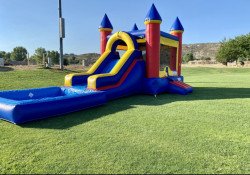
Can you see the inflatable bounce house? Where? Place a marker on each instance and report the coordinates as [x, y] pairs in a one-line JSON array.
[[111, 77]]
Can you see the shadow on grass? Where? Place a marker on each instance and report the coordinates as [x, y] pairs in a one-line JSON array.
[[6, 69], [77, 118], [59, 70], [74, 71]]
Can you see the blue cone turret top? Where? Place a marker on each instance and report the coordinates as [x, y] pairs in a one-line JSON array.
[[153, 16], [105, 24], [177, 26], [134, 27]]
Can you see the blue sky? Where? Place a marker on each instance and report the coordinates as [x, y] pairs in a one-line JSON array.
[[34, 23]]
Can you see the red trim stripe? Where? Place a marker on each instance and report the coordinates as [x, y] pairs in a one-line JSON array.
[[180, 84], [183, 84], [125, 75], [176, 84]]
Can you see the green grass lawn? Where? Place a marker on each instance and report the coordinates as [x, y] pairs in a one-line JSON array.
[[205, 132]]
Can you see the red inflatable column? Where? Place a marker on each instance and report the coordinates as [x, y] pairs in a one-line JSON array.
[[179, 35], [103, 40], [152, 21], [177, 30], [105, 29], [152, 50]]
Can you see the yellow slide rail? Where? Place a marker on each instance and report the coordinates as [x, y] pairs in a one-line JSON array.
[[130, 49], [69, 77]]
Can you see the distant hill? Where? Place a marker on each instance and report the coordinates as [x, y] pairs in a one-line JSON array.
[[199, 50], [202, 49], [89, 58]]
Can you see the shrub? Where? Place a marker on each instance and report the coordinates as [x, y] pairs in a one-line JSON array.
[[188, 57]]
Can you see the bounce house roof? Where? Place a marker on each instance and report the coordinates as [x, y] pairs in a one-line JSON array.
[[153, 14], [177, 25], [106, 23], [134, 28], [141, 34]]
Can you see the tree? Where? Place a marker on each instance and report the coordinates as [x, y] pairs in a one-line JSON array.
[[234, 49], [65, 62], [73, 60], [18, 54], [5, 56], [39, 54], [228, 52], [2, 54], [188, 57], [54, 55]]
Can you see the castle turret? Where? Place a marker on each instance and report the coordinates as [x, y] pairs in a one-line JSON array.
[[152, 22], [105, 29], [134, 28], [177, 30]]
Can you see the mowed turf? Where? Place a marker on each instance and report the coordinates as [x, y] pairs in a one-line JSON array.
[[205, 132]]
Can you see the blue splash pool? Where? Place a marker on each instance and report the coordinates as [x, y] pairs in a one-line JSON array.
[[19, 106]]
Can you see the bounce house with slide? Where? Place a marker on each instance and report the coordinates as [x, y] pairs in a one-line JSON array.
[[111, 77]]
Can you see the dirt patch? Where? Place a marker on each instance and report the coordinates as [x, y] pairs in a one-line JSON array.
[[216, 65], [33, 67]]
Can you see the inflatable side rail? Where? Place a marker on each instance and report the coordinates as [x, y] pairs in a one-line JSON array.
[[96, 82], [80, 78], [100, 80]]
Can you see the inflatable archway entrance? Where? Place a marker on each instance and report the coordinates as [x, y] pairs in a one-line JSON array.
[[121, 36]]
